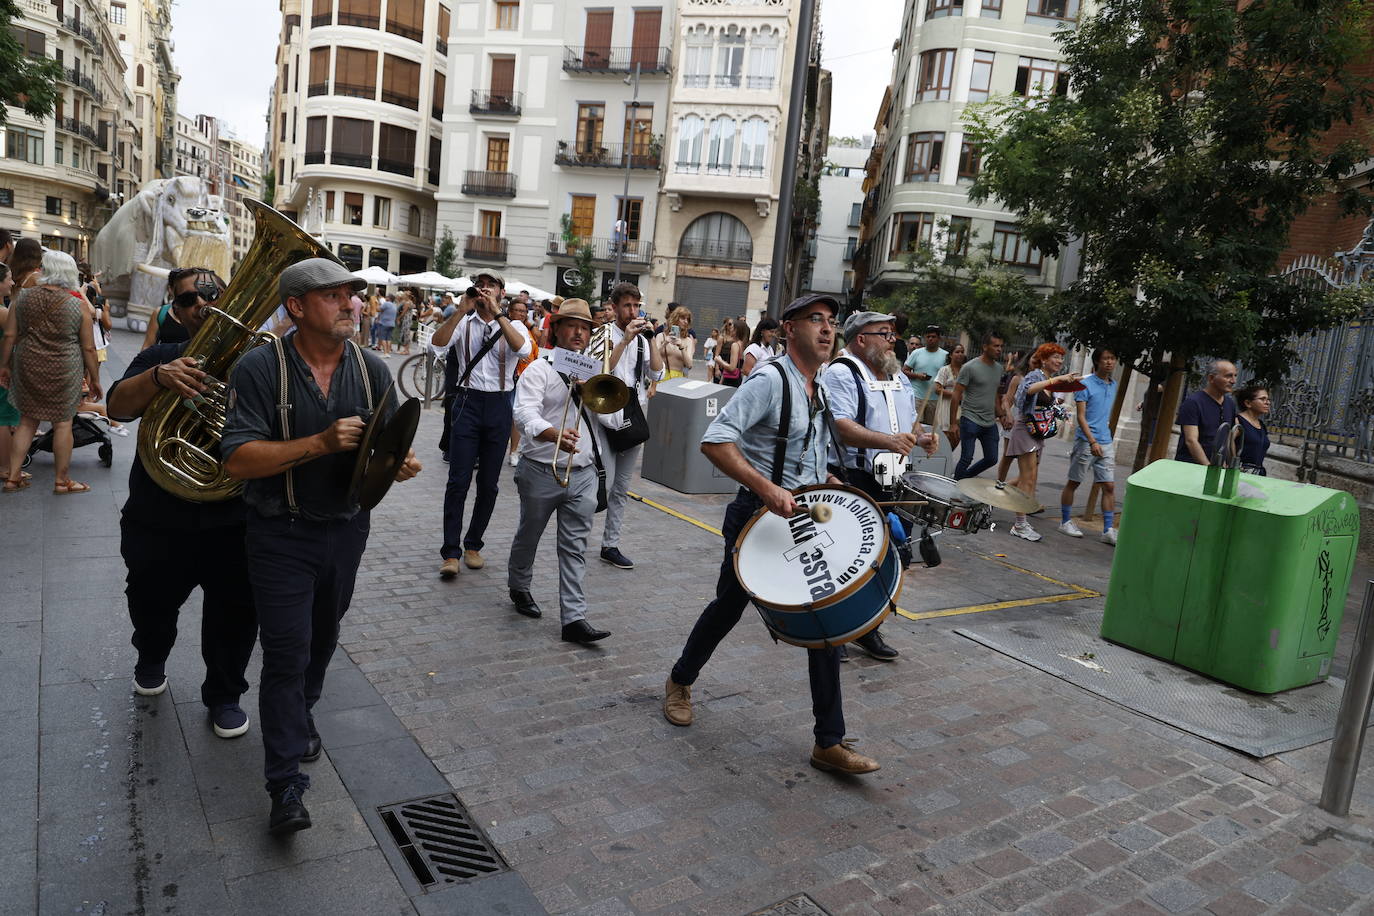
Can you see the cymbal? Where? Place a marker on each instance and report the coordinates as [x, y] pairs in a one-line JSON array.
[[1008, 497], [382, 450]]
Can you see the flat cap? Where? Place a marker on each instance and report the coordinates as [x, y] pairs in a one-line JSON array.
[[805, 302], [483, 272], [315, 273], [859, 320]]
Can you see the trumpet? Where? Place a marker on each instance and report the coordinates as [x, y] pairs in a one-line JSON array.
[[601, 394]]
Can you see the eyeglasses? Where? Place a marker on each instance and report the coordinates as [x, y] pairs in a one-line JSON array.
[[885, 335], [821, 319]]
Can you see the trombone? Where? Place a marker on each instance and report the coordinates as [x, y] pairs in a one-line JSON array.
[[601, 394]]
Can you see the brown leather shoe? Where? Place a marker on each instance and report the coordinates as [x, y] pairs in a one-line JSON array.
[[677, 702], [449, 569], [473, 559], [842, 758]]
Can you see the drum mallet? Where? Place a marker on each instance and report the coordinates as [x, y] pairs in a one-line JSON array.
[[820, 513]]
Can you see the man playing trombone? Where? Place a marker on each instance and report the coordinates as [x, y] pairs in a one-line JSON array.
[[558, 472]]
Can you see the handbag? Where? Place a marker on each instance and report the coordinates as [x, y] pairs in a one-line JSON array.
[[601, 500], [635, 428], [1042, 421]]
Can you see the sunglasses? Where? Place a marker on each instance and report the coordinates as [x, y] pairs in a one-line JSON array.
[[205, 289]]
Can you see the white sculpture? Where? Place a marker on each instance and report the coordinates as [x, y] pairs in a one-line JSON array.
[[171, 222]]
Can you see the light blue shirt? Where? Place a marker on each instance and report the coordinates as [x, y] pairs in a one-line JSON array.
[[1100, 396], [922, 360], [750, 420], [844, 402]]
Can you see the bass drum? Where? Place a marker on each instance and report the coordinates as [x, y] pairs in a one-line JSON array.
[[815, 583]]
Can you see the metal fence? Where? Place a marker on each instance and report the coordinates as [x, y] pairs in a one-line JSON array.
[[1326, 404]]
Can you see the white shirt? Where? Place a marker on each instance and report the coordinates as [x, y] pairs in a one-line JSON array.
[[540, 398], [496, 371], [761, 353], [625, 371]]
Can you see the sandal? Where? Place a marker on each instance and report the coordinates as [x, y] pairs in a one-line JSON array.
[[14, 486], [67, 487]]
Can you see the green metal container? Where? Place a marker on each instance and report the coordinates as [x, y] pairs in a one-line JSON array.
[[1239, 577]]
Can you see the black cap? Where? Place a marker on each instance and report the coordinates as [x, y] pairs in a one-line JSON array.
[[805, 302]]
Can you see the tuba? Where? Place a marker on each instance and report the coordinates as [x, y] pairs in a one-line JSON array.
[[178, 440]]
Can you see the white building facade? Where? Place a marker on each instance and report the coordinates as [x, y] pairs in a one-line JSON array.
[[837, 236], [544, 126], [951, 54]]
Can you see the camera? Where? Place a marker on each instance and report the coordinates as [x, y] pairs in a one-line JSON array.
[[472, 292]]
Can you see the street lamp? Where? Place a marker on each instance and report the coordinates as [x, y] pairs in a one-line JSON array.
[[619, 237]]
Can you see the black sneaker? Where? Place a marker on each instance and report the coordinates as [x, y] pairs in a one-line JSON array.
[[149, 684], [613, 556], [288, 811], [229, 720]]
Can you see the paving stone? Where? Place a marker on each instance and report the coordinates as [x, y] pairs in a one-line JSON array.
[[1045, 846], [1135, 837], [1006, 756], [1236, 903], [1222, 830], [1177, 895], [1358, 877], [1271, 886]]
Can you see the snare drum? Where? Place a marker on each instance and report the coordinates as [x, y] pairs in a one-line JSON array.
[[946, 505], [820, 584]]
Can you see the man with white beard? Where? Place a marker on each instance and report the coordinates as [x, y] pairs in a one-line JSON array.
[[875, 411]]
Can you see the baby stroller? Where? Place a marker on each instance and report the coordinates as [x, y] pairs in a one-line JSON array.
[[87, 429]]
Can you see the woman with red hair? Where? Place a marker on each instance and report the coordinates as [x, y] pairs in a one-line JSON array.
[[1025, 446]]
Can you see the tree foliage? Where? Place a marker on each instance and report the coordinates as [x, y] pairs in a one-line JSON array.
[[446, 254], [1195, 133], [585, 288], [26, 82]]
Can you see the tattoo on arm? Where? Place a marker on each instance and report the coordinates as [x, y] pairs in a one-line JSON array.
[[293, 462]]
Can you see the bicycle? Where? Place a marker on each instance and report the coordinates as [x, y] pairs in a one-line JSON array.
[[422, 376]]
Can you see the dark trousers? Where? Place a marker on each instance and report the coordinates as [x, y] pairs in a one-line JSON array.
[[302, 574], [721, 615], [160, 579], [970, 434], [481, 433]]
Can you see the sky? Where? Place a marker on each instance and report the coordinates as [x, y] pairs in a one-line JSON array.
[[227, 60]]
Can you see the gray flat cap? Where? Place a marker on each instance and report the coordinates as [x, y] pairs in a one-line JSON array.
[[805, 302], [483, 272], [859, 320], [315, 273]]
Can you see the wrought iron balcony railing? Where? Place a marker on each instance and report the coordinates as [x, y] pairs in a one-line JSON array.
[[713, 250], [485, 248], [502, 103], [489, 184], [595, 155], [632, 250], [587, 59]]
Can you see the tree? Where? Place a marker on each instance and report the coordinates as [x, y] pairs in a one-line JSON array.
[[585, 287], [1196, 131], [269, 187], [26, 82], [446, 254]]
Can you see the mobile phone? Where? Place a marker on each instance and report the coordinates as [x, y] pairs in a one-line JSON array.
[[675, 331]]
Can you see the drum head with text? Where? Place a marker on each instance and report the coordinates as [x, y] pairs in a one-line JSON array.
[[797, 561]]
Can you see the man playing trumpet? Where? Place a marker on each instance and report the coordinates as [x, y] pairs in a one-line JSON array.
[[558, 472]]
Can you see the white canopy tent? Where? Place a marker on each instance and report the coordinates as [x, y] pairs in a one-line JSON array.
[[375, 275], [430, 279], [513, 287]]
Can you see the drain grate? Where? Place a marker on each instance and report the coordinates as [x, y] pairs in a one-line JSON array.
[[440, 841], [800, 905]]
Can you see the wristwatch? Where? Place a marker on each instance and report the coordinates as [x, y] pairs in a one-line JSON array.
[[504, 313]]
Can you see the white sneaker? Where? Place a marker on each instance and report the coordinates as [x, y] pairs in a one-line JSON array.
[[1109, 536], [514, 459], [1025, 531], [1070, 529]]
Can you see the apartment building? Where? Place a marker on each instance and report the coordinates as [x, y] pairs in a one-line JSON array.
[[193, 150], [355, 125], [952, 54], [724, 146], [231, 168], [143, 29], [837, 236], [57, 173], [553, 137]]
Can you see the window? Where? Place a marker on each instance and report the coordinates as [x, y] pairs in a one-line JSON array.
[[730, 60], [498, 154], [970, 160], [648, 24], [445, 20], [631, 210], [352, 256], [32, 41], [923, 154], [980, 80], [283, 127], [959, 238], [24, 145], [353, 209], [596, 50], [639, 129], [717, 236], [689, 133], [763, 59], [1009, 247], [507, 14], [140, 74], [355, 72], [1040, 77], [71, 209], [406, 18], [590, 120], [721, 149], [696, 64], [436, 102], [938, 8], [119, 14], [583, 215], [363, 14], [849, 247], [502, 81], [381, 213], [396, 150], [319, 72], [937, 75], [855, 214], [314, 140], [910, 230], [753, 148], [488, 222], [322, 13], [992, 9], [54, 206], [352, 142], [379, 257], [401, 82], [1054, 9], [436, 146]]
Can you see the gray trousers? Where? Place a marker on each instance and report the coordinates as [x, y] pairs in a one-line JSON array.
[[540, 497], [617, 490]]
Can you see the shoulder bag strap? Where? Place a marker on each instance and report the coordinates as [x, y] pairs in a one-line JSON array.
[[784, 425]]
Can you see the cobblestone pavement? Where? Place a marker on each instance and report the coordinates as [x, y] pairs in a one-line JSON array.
[[1003, 789]]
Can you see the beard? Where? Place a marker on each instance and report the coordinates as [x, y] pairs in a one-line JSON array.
[[890, 365]]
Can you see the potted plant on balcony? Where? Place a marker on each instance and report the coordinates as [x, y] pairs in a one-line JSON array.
[[569, 236]]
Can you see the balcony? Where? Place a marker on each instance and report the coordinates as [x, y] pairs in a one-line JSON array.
[[485, 248], [432, 176], [717, 251], [73, 25], [582, 59], [405, 31], [500, 104], [356, 160], [397, 166], [441, 46], [402, 99], [317, 89], [605, 155], [636, 251], [489, 184], [321, 20]]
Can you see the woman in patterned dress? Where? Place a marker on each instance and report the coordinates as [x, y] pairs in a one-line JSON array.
[[9, 417], [48, 349]]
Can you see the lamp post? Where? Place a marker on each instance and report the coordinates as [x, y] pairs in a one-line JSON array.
[[633, 80], [782, 236]]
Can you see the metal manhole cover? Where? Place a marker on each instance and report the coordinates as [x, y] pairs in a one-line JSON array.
[[800, 905], [440, 841]]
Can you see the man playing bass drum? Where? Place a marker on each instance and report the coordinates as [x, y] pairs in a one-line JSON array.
[[292, 432], [742, 442]]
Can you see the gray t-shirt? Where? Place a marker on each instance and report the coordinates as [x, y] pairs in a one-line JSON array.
[[980, 380]]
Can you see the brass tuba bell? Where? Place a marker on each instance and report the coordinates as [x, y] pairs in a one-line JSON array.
[[178, 440]]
